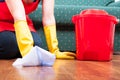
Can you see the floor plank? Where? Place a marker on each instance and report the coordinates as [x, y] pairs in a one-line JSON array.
[[63, 70]]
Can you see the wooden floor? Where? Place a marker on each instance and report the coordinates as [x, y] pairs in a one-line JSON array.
[[63, 70]]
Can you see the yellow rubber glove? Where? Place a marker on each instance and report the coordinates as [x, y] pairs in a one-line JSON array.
[[65, 55], [52, 43], [24, 37]]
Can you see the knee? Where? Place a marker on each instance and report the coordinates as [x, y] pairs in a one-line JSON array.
[[8, 43]]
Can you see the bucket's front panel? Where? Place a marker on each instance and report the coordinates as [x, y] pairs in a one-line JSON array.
[[95, 38]]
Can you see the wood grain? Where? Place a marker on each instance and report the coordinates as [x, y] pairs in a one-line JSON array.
[[63, 70]]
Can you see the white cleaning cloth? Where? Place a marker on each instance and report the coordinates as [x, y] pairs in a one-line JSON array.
[[36, 57]]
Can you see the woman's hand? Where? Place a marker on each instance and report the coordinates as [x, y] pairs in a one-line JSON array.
[[23, 34]]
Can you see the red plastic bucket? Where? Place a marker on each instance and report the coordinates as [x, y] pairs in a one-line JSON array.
[[94, 31]]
